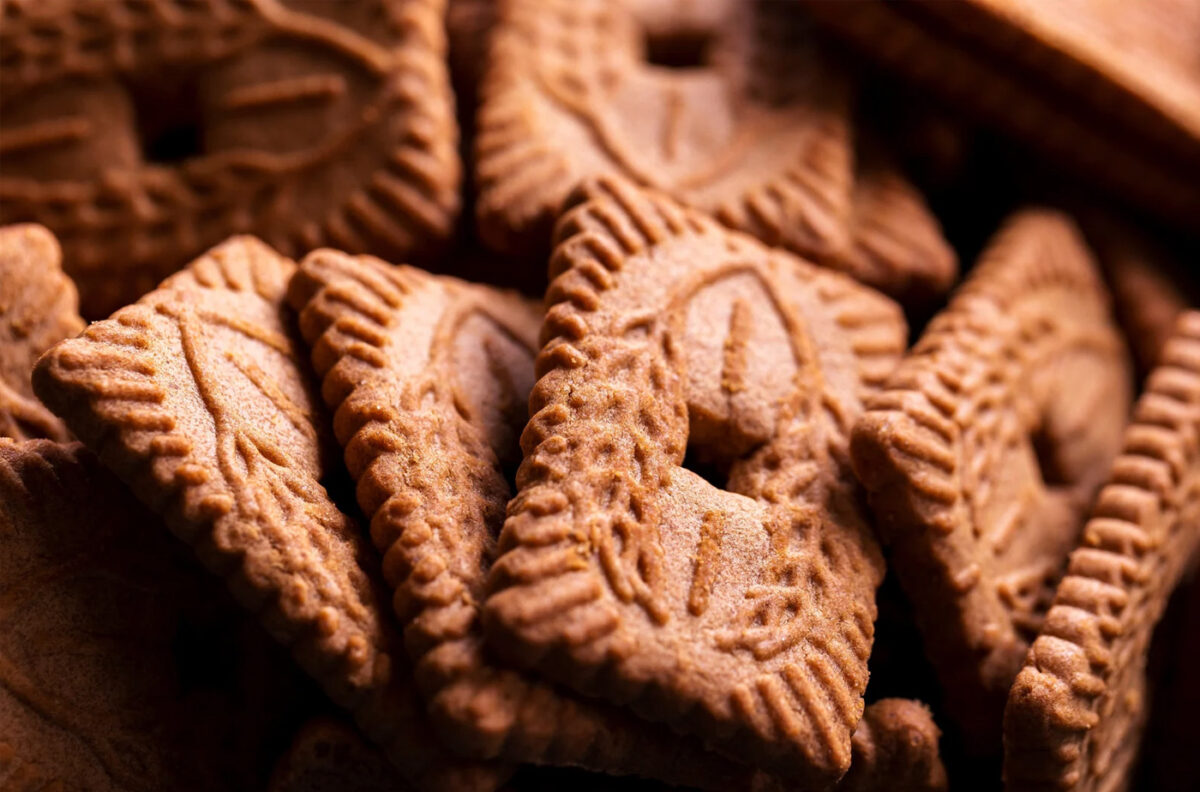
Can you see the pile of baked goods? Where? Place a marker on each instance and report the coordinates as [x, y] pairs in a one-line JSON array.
[[591, 394]]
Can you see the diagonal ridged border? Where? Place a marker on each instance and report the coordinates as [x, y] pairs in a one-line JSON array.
[[433, 519], [524, 177], [406, 206], [549, 608], [908, 450], [1075, 712], [311, 590]]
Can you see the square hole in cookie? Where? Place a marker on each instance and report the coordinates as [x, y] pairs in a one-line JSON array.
[[169, 119], [681, 50]]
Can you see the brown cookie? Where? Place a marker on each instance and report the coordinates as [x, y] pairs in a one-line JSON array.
[[328, 755], [93, 692], [984, 449], [895, 748], [896, 243], [743, 614], [1077, 708], [1106, 89], [430, 380], [197, 396], [38, 308], [143, 134], [738, 113]]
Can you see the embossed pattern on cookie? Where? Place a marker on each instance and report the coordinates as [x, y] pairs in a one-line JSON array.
[[144, 133], [982, 453], [430, 379], [197, 396], [38, 308], [743, 614], [92, 605], [896, 242], [1077, 708], [740, 115]]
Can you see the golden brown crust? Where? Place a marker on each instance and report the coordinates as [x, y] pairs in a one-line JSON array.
[[757, 133], [197, 397], [453, 363], [626, 575], [319, 123], [38, 308], [1077, 708], [984, 448]]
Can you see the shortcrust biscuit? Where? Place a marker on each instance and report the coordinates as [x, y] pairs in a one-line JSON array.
[[144, 133], [1076, 711], [984, 449], [199, 398], [743, 614], [38, 308]]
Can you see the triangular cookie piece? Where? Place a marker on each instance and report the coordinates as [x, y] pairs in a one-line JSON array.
[[199, 398]]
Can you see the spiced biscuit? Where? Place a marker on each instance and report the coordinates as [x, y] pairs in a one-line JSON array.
[[895, 747], [38, 308], [93, 612], [144, 133], [328, 755], [896, 243], [1077, 708], [430, 379], [740, 114], [983, 450], [1054, 105], [744, 614], [198, 398]]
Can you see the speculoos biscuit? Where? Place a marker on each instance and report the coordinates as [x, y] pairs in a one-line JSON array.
[[741, 611], [143, 134], [200, 399], [1076, 710], [738, 113], [38, 308], [985, 447], [328, 755]]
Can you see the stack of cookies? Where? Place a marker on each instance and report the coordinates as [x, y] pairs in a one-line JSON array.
[[585, 394]]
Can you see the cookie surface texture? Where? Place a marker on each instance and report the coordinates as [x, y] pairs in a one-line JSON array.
[[200, 399], [984, 449], [92, 605], [737, 113], [430, 379], [38, 308], [144, 134], [1076, 711], [743, 614]]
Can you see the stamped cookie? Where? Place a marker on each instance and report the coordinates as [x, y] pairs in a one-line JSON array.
[[38, 308], [328, 755], [896, 244], [198, 397], [144, 133], [738, 113], [1107, 89], [1077, 708], [92, 600], [430, 378], [740, 611], [984, 449]]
